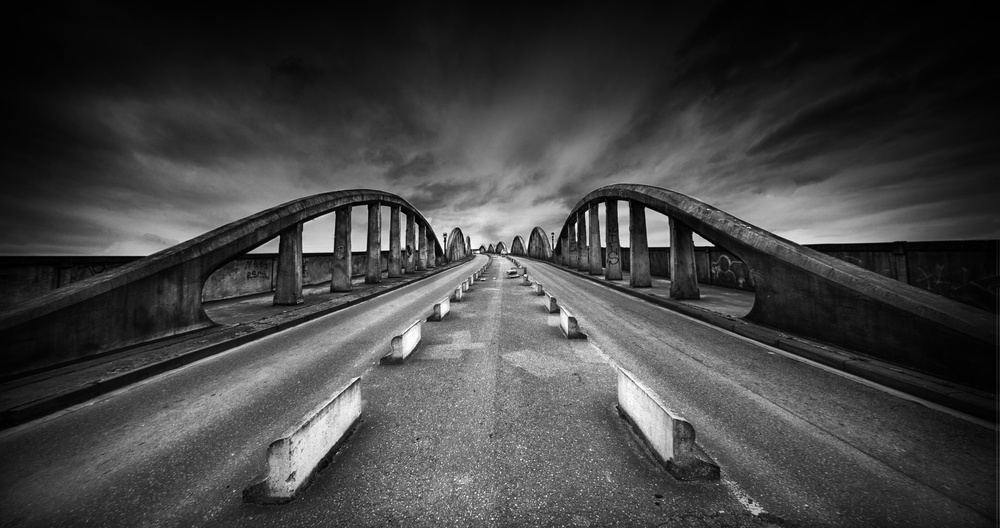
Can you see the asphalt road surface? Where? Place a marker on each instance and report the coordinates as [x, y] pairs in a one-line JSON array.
[[497, 420]]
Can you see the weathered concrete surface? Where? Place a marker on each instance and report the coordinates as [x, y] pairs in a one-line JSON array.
[[569, 325], [341, 270], [670, 436], [293, 458], [457, 294], [440, 309], [395, 248], [613, 262], [550, 302], [404, 344], [582, 241], [596, 263], [421, 247], [639, 276], [684, 277], [154, 297], [373, 275], [411, 244], [806, 292], [517, 246], [288, 283]]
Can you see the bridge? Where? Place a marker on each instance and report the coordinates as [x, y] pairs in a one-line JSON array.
[[823, 393]]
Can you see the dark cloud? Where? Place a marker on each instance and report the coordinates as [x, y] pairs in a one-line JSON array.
[[290, 77]]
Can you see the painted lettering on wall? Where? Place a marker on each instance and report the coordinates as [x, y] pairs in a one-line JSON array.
[[258, 269]]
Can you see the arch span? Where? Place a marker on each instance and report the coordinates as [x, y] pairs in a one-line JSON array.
[[806, 292], [491, 249], [457, 249], [517, 246], [159, 295], [539, 246], [501, 248]]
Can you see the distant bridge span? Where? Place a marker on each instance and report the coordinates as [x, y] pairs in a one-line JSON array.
[[797, 289], [160, 295]]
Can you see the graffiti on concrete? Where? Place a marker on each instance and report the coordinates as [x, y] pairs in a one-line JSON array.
[[726, 271], [958, 284], [258, 269]]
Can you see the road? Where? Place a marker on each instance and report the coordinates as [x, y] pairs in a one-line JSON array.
[[497, 420]]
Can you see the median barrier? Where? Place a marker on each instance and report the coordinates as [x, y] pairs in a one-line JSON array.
[[466, 284], [569, 325], [403, 345], [670, 437], [550, 303], [539, 290], [441, 309], [292, 459], [525, 281], [457, 294]]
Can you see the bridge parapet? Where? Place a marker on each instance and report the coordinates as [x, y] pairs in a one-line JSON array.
[[797, 289], [161, 295]]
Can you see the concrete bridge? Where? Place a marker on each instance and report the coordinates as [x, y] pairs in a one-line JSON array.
[[497, 418]]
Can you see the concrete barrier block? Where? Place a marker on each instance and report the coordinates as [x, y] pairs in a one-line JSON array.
[[550, 303], [525, 281], [539, 289], [569, 325], [293, 459], [466, 284], [441, 309], [670, 437], [403, 345], [457, 294]]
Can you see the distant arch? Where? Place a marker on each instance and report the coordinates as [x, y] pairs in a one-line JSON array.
[[491, 249], [501, 248], [159, 295], [483, 250], [539, 246], [457, 249], [517, 246]]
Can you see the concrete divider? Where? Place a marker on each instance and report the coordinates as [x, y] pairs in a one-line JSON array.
[[569, 325], [466, 284], [670, 437], [293, 459], [550, 303], [457, 294], [525, 281], [403, 345], [441, 309], [539, 289]]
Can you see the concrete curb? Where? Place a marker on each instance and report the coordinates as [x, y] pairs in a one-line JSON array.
[[976, 402], [569, 325], [457, 294], [539, 289], [403, 345], [45, 406], [670, 437], [292, 459], [551, 305], [441, 309], [525, 281]]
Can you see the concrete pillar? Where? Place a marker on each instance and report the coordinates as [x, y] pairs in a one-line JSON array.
[[288, 289], [468, 246], [582, 251], [395, 258], [421, 247], [373, 268], [683, 273], [899, 262], [613, 263], [411, 242], [431, 250], [340, 275], [571, 238], [639, 259], [596, 262]]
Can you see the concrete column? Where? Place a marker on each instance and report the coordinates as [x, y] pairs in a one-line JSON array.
[[683, 273], [431, 250], [613, 264], [340, 275], [411, 243], [395, 258], [596, 262], [582, 251], [639, 259], [422, 247], [373, 268], [288, 289], [468, 246], [571, 239]]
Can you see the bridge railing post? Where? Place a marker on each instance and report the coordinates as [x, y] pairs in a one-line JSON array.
[[340, 274], [683, 275], [639, 258], [288, 289], [613, 263]]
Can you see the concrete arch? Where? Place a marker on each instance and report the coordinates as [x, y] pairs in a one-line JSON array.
[[491, 249], [517, 246], [539, 246], [483, 250], [160, 295], [803, 291], [501, 248], [457, 249]]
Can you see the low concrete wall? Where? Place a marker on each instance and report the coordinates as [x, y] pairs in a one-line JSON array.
[[403, 345], [961, 270], [293, 458]]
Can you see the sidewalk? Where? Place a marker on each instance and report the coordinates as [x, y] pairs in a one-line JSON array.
[[725, 308], [241, 320]]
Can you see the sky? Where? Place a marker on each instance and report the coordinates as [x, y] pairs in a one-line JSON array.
[[129, 130]]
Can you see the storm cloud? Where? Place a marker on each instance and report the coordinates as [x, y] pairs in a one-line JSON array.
[[128, 129]]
